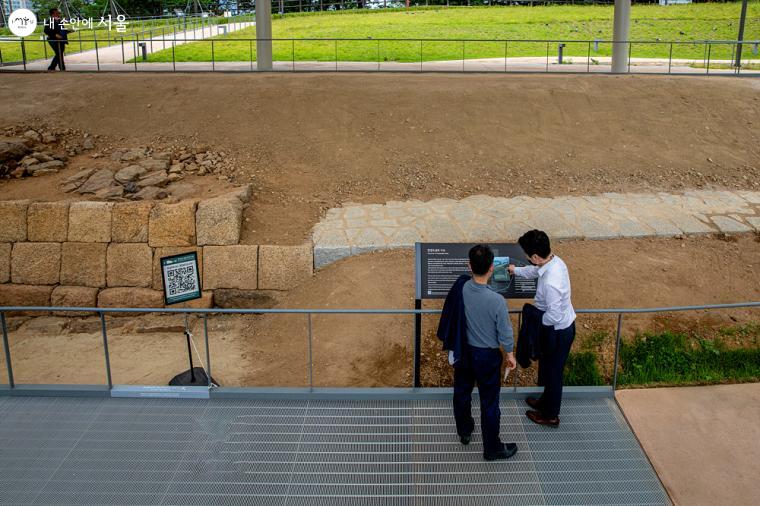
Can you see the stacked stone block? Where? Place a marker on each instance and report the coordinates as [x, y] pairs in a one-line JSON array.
[[88, 254]]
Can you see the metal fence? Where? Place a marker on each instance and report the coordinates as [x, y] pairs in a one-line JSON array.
[[415, 313], [15, 51], [161, 49]]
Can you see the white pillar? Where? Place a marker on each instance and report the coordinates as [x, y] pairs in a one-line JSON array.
[[621, 31], [264, 31]]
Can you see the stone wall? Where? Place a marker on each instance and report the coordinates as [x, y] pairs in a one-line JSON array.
[[104, 254]]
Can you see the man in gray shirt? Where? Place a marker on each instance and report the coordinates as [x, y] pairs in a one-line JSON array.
[[488, 328]]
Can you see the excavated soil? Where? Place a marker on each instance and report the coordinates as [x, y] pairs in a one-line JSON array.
[[308, 142]]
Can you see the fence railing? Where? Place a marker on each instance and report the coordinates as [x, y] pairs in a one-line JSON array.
[[159, 50], [20, 51], [308, 313]]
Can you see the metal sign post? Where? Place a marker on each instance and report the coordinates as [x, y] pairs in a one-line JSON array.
[[181, 280]]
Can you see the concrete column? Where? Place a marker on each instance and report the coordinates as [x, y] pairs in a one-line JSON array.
[[264, 31], [621, 31]]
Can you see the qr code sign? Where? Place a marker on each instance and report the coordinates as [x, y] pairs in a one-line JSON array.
[[181, 279]]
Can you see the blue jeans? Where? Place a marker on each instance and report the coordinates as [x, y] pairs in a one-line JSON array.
[[483, 368]]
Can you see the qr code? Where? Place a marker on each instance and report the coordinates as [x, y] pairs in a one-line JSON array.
[[181, 279]]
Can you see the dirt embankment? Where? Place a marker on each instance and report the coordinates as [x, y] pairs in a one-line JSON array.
[[308, 142], [361, 350]]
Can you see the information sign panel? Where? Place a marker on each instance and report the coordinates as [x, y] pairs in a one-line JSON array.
[[438, 265]]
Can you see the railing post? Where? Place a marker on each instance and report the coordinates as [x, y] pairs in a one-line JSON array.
[[617, 352], [213, 66], [588, 58], [630, 45], [547, 57], [505, 55], [417, 342], [311, 366], [739, 67], [7, 348], [709, 52], [174, 60], [44, 47], [670, 58], [420, 55], [105, 349], [23, 53], [336, 55], [208, 353], [134, 52], [123, 59], [292, 52]]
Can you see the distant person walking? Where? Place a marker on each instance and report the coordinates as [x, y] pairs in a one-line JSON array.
[[557, 321], [57, 38], [474, 324]]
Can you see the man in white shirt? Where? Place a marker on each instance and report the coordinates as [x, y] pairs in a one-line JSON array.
[[553, 298]]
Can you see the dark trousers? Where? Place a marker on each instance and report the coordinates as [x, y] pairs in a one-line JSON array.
[[555, 348], [483, 368], [58, 48]]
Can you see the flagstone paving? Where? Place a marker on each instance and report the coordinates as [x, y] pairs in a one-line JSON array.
[[355, 228]]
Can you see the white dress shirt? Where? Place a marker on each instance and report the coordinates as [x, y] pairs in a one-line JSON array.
[[552, 292]]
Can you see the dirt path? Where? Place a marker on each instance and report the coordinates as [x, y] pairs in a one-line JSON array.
[[308, 142], [376, 350]]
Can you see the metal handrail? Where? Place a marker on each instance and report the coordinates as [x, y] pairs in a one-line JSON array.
[[335, 63], [3, 309], [419, 39], [101, 312]]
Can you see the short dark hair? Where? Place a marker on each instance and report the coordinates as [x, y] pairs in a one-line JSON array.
[[535, 242], [481, 259], [53, 11]]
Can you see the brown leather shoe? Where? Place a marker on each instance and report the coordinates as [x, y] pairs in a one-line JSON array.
[[537, 417], [533, 403]]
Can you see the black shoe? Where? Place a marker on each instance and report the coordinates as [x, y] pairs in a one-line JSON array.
[[465, 440], [533, 403], [506, 452]]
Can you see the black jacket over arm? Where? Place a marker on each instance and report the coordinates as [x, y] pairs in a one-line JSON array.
[[452, 328], [531, 331]]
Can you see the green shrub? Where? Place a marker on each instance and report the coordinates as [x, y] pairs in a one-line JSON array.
[[582, 369]]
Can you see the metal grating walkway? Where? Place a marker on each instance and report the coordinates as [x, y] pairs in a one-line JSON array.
[[105, 451]]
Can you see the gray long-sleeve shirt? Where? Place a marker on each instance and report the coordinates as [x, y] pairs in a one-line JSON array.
[[488, 323]]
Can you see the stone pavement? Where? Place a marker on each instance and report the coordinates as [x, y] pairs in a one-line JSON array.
[[354, 229]]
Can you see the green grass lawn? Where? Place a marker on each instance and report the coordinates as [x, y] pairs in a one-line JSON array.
[[726, 355], [673, 359], [84, 39], [714, 21]]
